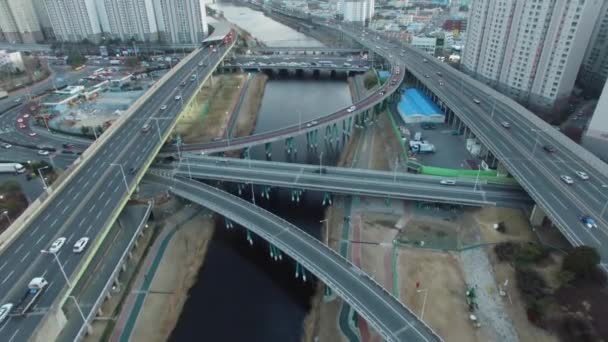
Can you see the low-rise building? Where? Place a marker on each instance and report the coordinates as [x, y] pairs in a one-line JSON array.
[[426, 44], [11, 61]]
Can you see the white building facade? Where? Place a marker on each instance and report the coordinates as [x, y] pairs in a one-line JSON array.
[[529, 49], [74, 20], [19, 21], [357, 10], [129, 19], [181, 21], [426, 44], [594, 71], [595, 138]]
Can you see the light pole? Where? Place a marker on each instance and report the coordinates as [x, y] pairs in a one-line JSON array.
[[42, 177], [326, 221], [67, 280], [426, 292], [84, 319], [321, 163], [477, 178], [124, 177], [5, 213], [395, 173]]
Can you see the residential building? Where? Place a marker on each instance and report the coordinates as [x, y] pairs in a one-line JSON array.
[[74, 20], [426, 44], [11, 61], [594, 71], [181, 21], [354, 10], [43, 18], [529, 50], [459, 24], [595, 138], [129, 19], [19, 21]]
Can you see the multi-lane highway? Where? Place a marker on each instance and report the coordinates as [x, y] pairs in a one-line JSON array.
[[397, 185], [298, 62], [380, 309], [86, 205], [519, 148]]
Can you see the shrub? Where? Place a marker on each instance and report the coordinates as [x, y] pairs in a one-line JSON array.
[[582, 261], [10, 186], [531, 253], [370, 80], [564, 278], [531, 284], [506, 251], [573, 328]]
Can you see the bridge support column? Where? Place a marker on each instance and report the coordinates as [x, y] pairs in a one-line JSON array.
[[500, 169], [300, 270], [537, 216]]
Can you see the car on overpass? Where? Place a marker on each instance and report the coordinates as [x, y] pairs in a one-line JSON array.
[[4, 311], [567, 179], [549, 148], [476, 100], [505, 124], [447, 182], [588, 221], [582, 175], [351, 109]]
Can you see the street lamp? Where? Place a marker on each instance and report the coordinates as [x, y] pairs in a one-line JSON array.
[[321, 163], [42, 177], [426, 292], [124, 177], [67, 280], [5, 213]]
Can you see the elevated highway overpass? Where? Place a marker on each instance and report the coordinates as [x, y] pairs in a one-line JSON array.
[[520, 148], [358, 182], [305, 50], [89, 198], [381, 310]]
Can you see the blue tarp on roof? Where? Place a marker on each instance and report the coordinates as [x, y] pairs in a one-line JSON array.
[[384, 75], [415, 106]]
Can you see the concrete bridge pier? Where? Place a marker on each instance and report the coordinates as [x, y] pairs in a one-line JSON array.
[[538, 216], [501, 170]]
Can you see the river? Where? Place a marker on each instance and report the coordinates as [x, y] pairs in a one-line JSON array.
[[240, 293]]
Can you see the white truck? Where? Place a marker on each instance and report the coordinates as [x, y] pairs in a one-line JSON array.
[[34, 289], [11, 168]]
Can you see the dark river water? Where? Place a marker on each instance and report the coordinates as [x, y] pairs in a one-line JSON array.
[[241, 294]]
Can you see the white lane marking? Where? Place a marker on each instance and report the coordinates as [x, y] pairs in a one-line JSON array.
[[8, 276], [19, 248], [103, 193], [5, 324], [25, 256], [82, 221], [92, 208], [95, 173], [64, 209], [70, 191], [54, 221], [46, 217], [86, 231], [59, 203], [558, 200], [70, 238], [34, 231], [115, 189], [108, 201], [98, 214], [12, 337], [41, 237], [1, 267], [86, 184]]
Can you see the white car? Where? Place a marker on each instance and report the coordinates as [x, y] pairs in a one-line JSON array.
[[567, 179], [582, 175], [178, 97], [43, 153], [4, 311], [80, 245], [447, 182], [476, 101], [163, 107], [32, 134], [505, 124], [351, 109], [26, 115], [57, 244], [6, 145]]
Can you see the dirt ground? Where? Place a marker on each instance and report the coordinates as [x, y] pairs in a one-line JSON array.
[[442, 281], [387, 147], [176, 273], [517, 226], [197, 123]]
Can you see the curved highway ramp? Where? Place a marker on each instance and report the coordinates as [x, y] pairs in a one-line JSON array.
[[385, 313]]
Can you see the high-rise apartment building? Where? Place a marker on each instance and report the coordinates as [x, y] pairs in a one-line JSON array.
[[529, 49], [357, 10], [19, 21], [74, 20], [129, 19], [595, 138], [594, 71], [43, 18], [181, 21]]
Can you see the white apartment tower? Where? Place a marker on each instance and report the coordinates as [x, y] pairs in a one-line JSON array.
[[354, 10], [19, 22], [181, 21], [529, 49], [129, 19], [43, 18], [595, 138], [594, 71], [74, 20]]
